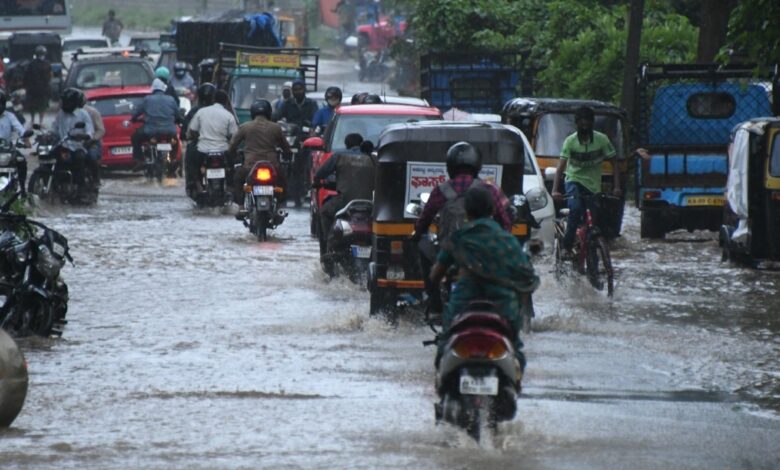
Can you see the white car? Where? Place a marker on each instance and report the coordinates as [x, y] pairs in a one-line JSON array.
[[71, 44]]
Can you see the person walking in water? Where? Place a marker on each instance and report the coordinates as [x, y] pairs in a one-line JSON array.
[[112, 28]]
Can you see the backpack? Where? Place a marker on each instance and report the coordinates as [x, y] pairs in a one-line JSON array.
[[452, 216]]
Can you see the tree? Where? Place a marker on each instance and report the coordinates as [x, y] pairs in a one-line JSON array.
[[713, 26], [754, 32]]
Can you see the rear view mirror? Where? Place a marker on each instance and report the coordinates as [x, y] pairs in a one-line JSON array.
[[414, 209]]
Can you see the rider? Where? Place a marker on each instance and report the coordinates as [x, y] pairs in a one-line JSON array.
[[581, 157], [286, 94], [163, 74], [161, 114], [95, 146], [182, 78], [8, 125], [492, 265], [206, 94], [261, 138], [464, 163], [323, 115], [212, 127], [64, 125]]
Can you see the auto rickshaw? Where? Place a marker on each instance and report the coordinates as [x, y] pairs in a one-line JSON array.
[[548, 121], [751, 220], [411, 162]]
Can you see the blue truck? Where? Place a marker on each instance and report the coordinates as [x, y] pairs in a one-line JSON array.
[[684, 117]]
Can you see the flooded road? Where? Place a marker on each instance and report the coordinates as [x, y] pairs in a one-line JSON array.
[[192, 345]]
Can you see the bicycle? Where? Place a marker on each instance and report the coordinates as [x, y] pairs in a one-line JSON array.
[[591, 253]]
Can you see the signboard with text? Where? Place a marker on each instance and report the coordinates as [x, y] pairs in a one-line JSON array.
[[284, 61], [422, 177]]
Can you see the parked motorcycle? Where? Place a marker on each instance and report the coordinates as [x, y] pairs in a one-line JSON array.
[[34, 295], [350, 243], [261, 200], [478, 375], [214, 180], [53, 179], [160, 157], [10, 159]]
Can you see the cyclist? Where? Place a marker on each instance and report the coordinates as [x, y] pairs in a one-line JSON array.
[[582, 154]]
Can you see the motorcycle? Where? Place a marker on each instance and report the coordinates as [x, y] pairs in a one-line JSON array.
[[214, 180], [261, 200], [160, 157], [350, 244], [34, 295], [54, 177], [372, 66], [478, 375], [295, 167], [10, 159]]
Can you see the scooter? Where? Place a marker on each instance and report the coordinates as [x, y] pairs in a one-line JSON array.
[[478, 375], [261, 200]]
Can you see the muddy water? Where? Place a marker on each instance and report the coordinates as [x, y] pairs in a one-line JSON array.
[[191, 345]]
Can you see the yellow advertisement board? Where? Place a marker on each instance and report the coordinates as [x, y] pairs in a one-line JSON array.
[[284, 61]]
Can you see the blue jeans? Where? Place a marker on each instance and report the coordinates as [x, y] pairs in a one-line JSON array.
[[577, 205]]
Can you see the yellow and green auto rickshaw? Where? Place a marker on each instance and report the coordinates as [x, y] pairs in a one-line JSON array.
[[411, 163], [751, 221], [548, 121]]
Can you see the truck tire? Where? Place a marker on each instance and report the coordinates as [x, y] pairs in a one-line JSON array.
[[650, 225]]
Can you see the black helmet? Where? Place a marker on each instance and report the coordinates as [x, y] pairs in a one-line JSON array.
[[463, 158], [70, 99], [180, 69], [3, 100], [373, 99], [260, 108], [584, 112], [333, 93], [40, 51], [359, 98], [82, 98], [206, 94]]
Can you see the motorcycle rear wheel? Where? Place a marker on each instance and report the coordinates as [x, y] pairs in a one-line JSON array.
[[260, 227], [479, 413]]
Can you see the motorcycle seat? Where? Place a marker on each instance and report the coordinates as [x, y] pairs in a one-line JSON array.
[[474, 316], [356, 205]]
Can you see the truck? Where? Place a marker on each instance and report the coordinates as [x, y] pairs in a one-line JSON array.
[[475, 82], [684, 116], [249, 73]]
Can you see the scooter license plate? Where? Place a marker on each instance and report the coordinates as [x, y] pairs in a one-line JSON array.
[[263, 190], [164, 147], [215, 173], [476, 385], [361, 251]]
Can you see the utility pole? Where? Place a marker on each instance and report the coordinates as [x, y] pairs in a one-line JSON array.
[[632, 55]]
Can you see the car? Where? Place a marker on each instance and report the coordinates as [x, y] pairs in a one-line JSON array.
[[73, 43], [110, 71], [539, 200], [149, 42], [117, 106], [368, 120]]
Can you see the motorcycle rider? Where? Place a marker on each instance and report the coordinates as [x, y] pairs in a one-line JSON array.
[[161, 114], [8, 125], [286, 94], [212, 127], [64, 125], [206, 94], [492, 265], [261, 138], [323, 115], [182, 78], [95, 146], [464, 163], [37, 83], [581, 157], [163, 74], [354, 170]]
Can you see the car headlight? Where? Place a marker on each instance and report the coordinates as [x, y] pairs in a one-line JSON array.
[[47, 264], [537, 198]]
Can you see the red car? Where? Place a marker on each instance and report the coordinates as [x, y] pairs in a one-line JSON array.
[[117, 106], [368, 120]]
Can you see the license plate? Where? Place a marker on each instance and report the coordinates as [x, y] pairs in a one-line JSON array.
[[704, 201], [164, 147], [121, 150], [215, 173], [361, 251], [473, 385], [263, 190]]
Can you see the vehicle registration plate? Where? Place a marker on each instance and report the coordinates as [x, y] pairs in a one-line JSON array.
[[263, 190], [215, 173], [361, 251], [121, 150], [704, 201], [474, 385], [164, 147]]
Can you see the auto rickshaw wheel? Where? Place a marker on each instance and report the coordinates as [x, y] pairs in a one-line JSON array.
[[650, 225]]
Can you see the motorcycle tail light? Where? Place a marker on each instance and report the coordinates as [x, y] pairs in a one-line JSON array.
[[264, 175], [480, 346], [652, 195]]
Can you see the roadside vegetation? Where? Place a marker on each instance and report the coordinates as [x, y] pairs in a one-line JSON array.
[[93, 13]]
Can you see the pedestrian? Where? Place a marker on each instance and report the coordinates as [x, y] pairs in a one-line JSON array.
[[37, 85], [112, 28]]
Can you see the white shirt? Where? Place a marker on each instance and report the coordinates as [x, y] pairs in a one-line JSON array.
[[9, 124], [66, 122], [215, 126]]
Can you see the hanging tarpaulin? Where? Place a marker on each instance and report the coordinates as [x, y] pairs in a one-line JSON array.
[[737, 184], [262, 30]]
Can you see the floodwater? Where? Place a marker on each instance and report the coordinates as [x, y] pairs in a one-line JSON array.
[[191, 345]]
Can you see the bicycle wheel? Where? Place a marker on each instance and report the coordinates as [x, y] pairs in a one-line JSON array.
[[599, 266], [559, 267]]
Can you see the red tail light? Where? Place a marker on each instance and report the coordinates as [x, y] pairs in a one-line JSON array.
[[652, 195], [264, 175], [480, 346]]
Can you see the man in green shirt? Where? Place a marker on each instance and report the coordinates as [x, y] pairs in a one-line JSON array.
[[581, 157]]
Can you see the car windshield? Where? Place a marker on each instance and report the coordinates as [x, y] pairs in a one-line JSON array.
[[117, 105], [774, 164], [150, 44], [245, 90], [554, 128], [112, 75], [83, 43], [369, 127]]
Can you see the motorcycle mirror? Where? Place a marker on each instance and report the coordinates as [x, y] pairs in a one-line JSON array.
[[413, 209], [314, 143], [424, 197]]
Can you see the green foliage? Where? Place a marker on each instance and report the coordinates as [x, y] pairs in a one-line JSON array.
[[93, 13], [754, 32]]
